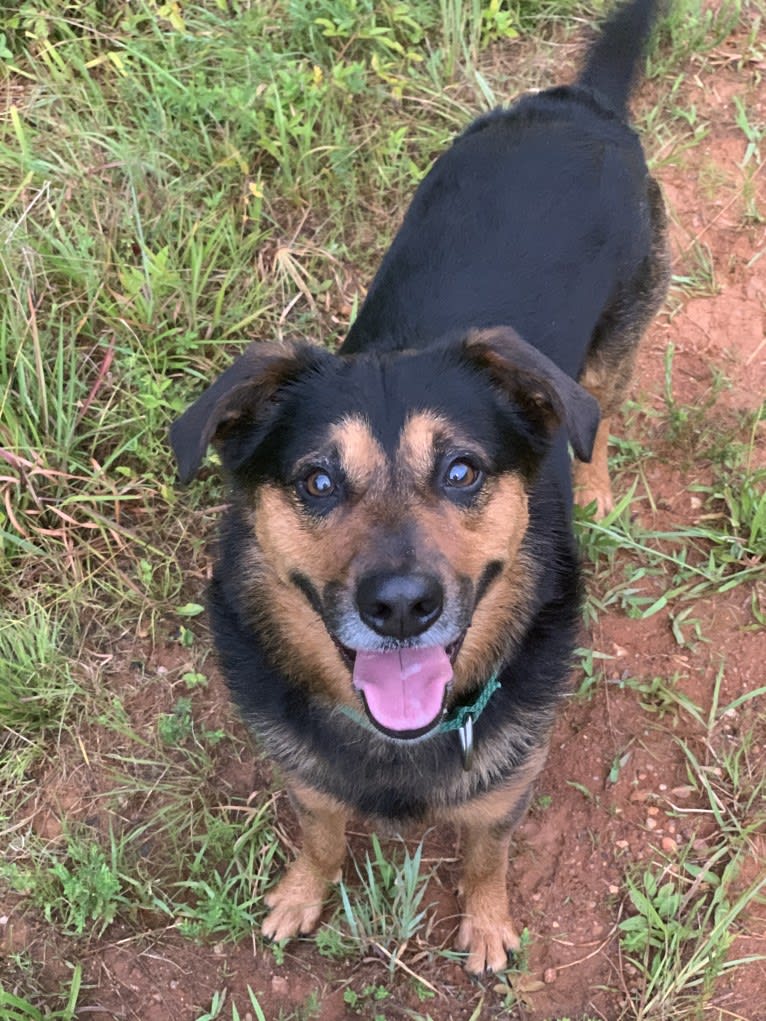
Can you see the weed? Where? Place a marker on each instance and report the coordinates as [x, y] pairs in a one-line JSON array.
[[180, 179], [365, 1001], [700, 276], [753, 133], [712, 556], [686, 28], [215, 1011], [388, 910], [37, 690], [82, 887], [19, 1008], [682, 930], [588, 660], [223, 891]]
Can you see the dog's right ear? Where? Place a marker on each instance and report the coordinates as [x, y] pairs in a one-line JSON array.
[[243, 394]]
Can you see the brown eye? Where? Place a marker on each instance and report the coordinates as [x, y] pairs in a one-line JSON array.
[[319, 483], [461, 474]]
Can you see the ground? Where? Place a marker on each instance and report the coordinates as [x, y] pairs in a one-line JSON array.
[[651, 808]]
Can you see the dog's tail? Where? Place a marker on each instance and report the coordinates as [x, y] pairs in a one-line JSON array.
[[611, 67]]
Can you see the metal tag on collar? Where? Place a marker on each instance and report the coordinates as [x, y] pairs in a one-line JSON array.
[[465, 732]]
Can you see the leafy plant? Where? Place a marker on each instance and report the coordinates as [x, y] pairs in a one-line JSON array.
[[84, 889]]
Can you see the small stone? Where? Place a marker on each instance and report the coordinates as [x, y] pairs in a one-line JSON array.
[[279, 985], [219, 950], [622, 844], [555, 925], [550, 975], [663, 787], [669, 845], [613, 888], [4, 919], [682, 792], [653, 810], [651, 824]]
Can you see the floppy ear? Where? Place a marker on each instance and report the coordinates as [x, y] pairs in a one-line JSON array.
[[243, 394], [548, 396]]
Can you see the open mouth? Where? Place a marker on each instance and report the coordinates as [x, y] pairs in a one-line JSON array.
[[404, 690]]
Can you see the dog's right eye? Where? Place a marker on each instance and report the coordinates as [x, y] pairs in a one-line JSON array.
[[320, 488]]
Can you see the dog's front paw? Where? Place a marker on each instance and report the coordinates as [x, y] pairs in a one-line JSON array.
[[488, 939], [296, 904]]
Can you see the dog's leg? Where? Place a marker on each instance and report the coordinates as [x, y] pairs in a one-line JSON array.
[[486, 931], [296, 902], [609, 363], [591, 481]]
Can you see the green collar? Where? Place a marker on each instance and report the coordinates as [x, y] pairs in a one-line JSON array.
[[461, 719]]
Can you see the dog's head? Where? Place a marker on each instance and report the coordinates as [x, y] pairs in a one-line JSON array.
[[385, 504]]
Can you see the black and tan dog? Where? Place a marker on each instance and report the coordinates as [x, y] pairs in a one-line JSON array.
[[396, 597]]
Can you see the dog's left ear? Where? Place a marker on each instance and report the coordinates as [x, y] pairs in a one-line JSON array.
[[548, 396]]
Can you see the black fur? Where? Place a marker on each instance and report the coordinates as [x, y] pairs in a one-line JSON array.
[[400, 781], [539, 222]]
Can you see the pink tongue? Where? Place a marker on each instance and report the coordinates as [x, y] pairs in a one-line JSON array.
[[404, 690]]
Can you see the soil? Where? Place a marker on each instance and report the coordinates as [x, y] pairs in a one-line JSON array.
[[616, 793]]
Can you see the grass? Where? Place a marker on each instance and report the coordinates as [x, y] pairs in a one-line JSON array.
[[385, 907], [19, 1008], [176, 180], [684, 914]]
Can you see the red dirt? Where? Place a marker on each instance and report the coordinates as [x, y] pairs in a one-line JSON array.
[[567, 873]]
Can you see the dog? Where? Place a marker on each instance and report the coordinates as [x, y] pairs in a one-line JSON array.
[[396, 598]]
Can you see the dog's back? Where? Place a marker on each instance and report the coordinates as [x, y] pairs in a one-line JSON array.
[[540, 208]]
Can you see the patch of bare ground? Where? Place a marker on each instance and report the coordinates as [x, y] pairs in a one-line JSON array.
[[617, 795]]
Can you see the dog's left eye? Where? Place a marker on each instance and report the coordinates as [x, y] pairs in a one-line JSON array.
[[319, 483], [462, 474]]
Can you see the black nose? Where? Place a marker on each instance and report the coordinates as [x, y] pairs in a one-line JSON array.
[[399, 605]]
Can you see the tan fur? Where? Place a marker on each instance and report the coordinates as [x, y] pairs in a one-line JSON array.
[[457, 542], [362, 457], [592, 480], [486, 930], [498, 804], [296, 635], [466, 540], [296, 901], [415, 457]]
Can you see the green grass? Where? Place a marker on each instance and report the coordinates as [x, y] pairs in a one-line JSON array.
[[384, 906], [175, 181], [682, 920], [19, 1008]]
